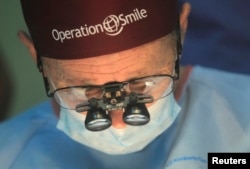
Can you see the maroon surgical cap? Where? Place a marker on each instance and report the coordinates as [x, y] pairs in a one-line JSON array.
[[71, 29]]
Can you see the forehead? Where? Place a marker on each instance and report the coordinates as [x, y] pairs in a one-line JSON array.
[[137, 62]]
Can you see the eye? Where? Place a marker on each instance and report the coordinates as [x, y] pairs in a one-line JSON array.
[[93, 93], [137, 87]]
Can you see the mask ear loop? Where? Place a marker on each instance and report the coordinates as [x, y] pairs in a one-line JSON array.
[[45, 79]]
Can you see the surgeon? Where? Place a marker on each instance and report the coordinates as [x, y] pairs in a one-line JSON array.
[[111, 68]]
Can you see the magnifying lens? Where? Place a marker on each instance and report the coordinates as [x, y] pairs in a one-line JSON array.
[[133, 105]]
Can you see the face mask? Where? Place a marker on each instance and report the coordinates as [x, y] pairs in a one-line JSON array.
[[121, 141]]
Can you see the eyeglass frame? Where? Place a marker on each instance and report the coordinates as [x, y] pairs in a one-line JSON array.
[[123, 83]]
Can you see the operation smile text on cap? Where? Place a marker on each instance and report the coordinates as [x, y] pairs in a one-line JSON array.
[[85, 28]]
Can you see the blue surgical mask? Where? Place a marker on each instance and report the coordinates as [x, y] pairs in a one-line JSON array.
[[121, 141]]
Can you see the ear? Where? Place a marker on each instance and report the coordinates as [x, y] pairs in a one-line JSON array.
[[185, 11], [26, 40]]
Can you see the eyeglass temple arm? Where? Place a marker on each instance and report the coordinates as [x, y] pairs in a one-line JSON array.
[[45, 79], [179, 48]]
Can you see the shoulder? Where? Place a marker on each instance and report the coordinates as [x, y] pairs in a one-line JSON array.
[[218, 101], [223, 82], [218, 86], [16, 132], [28, 117]]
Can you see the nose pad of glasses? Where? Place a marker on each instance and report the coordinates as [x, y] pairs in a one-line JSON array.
[[97, 120], [136, 114]]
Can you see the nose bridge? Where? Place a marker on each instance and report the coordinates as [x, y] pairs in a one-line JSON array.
[[117, 119]]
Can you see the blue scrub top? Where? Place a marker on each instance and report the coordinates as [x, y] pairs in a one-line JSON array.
[[214, 118]]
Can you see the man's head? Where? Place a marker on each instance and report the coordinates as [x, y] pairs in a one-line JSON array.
[[154, 58], [89, 52]]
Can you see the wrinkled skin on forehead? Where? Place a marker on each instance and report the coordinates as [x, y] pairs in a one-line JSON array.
[[152, 58]]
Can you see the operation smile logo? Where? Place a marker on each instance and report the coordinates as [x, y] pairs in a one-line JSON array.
[[112, 25]]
